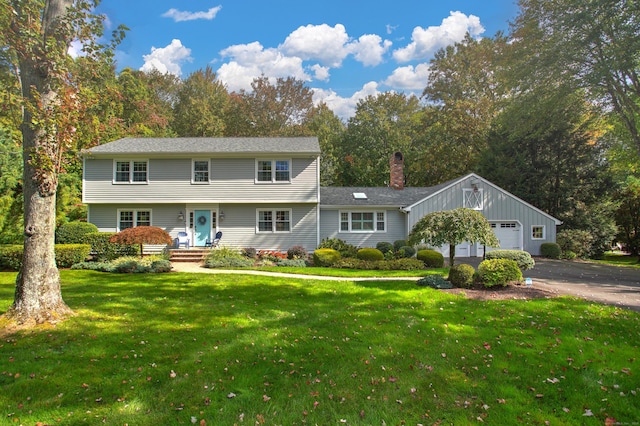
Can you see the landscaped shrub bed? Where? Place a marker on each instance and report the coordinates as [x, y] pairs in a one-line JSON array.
[[434, 281], [129, 265], [499, 272], [381, 265], [370, 254], [103, 251], [224, 257], [431, 258], [462, 275], [521, 257], [66, 255], [325, 257], [345, 249]]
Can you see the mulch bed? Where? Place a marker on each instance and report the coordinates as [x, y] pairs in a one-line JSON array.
[[510, 292]]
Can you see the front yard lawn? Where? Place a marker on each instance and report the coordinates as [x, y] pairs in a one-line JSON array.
[[188, 349]]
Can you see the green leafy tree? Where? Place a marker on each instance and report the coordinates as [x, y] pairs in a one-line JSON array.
[[628, 215], [329, 129], [201, 105], [37, 36], [453, 227], [383, 124]]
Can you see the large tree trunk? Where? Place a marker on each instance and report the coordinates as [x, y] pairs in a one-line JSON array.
[[38, 296]]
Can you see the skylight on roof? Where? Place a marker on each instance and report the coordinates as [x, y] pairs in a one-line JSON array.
[[359, 195]]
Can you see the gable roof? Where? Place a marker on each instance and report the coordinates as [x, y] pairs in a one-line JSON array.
[[404, 199], [249, 146]]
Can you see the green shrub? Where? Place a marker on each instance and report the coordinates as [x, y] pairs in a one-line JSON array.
[[225, 257], [431, 258], [568, 255], [345, 249], [325, 256], [74, 232], [297, 252], [575, 240], [11, 256], [94, 266], [398, 244], [550, 250], [370, 254], [434, 281], [103, 251], [297, 263], [494, 272], [249, 252], [521, 257], [385, 247], [405, 264], [461, 275], [68, 254], [406, 252]]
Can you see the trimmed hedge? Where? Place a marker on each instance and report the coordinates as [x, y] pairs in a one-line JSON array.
[[225, 257], [385, 247], [431, 258], [499, 272], [370, 254], [434, 281], [398, 244], [345, 249], [406, 252], [66, 255], [550, 250], [521, 257], [325, 257], [380, 265], [103, 251], [74, 232], [462, 275]]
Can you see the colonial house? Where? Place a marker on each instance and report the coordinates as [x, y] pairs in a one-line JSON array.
[[265, 193]]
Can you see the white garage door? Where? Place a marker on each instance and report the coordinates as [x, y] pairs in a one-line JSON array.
[[509, 234]]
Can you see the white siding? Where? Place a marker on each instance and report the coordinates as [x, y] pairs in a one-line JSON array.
[[396, 226]]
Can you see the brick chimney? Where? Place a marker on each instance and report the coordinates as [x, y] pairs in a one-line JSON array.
[[396, 165]]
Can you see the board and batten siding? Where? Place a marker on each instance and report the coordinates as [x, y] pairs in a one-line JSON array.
[[330, 225], [231, 180], [499, 206]]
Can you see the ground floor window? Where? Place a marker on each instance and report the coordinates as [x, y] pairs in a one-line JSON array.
[[537, 232], [273, 220], [362, 221], [133, 218]]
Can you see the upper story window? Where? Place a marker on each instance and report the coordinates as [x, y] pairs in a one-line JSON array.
[[200, 171], [131, 171], [362, 221], [273, 170], [473, 198], [133, 218]]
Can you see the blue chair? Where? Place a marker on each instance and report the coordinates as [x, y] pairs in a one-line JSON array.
[[183, 239], [215, 242]]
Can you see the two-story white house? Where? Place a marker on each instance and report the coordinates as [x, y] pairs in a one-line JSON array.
[[265, 193]]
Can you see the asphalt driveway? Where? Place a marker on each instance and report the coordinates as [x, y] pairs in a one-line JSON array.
[[613, 285]]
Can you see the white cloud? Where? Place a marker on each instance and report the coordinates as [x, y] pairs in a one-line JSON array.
[[344, 108], [249, 61], [409, 78], [328, 45], [369, 49], [181, 16], [167, 59], [426, 41], [320, 73]]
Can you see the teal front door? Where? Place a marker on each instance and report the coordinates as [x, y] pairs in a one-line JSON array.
[[202, 227]]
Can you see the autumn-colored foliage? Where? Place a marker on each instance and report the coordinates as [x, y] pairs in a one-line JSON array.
[[142, 235]]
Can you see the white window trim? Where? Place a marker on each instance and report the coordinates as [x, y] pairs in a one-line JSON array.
[[358, 231], [130, 181], [193, 171], [544, 232], [480, 195], [273, 171], [273, 225], [135, 216]]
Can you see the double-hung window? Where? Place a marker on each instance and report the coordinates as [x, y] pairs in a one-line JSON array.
[[537, 232], [362, 221], [131, 171], [270, 171], [200, 171], [133, 218], [276, 220]]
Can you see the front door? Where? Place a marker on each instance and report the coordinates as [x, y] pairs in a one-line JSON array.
[[202, 227]]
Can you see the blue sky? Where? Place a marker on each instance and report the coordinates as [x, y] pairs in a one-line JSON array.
[[343, 49]]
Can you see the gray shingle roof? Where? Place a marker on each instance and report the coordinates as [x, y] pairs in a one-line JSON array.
[[377, 196], [150, 146]]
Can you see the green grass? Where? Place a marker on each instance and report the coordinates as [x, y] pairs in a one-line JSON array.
[[354, 273], [238, 349], [620, 259]]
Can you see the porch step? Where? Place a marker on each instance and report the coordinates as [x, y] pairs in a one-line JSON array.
[[188, 255]]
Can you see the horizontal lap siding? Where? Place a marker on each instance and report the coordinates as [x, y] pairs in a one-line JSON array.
[[239, 227], [232, 180], [396, 229]]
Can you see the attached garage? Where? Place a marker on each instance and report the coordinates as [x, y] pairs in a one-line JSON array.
[[509, 234]]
